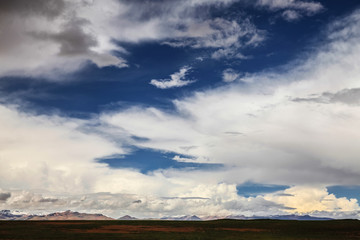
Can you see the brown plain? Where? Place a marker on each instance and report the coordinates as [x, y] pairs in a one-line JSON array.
[[143, 228]]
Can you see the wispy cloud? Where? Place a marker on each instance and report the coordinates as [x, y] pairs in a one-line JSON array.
[[225, 37], [310, 7], [176, 80], [292, 10]]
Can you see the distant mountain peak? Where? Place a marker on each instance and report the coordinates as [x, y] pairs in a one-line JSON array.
[[183, 218], [127, 217]]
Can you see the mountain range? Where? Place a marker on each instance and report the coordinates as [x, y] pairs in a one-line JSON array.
[[70, 215], [242, 217], [280, 217], [67, 215]]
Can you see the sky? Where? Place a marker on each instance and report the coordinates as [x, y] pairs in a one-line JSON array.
[[155, 108]]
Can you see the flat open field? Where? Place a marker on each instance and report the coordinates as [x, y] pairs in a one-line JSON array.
[[219, 229]]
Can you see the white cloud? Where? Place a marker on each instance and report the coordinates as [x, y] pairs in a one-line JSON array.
[[291, 15], [53, 155], [176, 80], [48, 152], [230, 75], [214, 200], [307, 200]]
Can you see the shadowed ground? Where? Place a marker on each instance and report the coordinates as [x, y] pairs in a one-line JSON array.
[[219, 229]]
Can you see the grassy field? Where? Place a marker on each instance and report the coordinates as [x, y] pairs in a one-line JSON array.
[[219, 229]]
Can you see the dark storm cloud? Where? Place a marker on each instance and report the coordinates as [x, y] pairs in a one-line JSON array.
[[48, 8], [49, 30], [72, 38], [13, 12]]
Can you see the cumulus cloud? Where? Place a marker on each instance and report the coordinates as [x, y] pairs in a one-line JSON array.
[[30, 147], [307, 200], [176, 80], [221, 200], [218, 200]]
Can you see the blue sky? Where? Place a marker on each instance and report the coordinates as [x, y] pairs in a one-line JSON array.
[[193, 107], [147, 161]]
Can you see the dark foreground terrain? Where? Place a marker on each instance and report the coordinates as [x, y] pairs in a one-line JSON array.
[[219, 229]]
